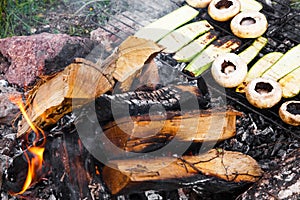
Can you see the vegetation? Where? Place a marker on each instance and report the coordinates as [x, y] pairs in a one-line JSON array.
[[24, 17], [19, 16], [295, 4]]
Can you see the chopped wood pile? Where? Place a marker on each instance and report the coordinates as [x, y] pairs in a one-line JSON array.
[[82, 81]]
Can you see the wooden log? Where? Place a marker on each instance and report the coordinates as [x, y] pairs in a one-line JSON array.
[[216, 170], [142, 134], [140, 102], [83, 81]]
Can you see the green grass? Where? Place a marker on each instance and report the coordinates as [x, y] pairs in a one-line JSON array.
[[295, 4], [22, 17], [19, 16]]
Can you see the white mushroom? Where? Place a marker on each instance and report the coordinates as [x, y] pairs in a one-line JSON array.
[[198, 3], [263, 93], [229, 70], [223, 10], [289, 112], [249, 24]]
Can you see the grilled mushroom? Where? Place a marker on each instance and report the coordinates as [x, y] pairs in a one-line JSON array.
[[223, 10], [249, 24], [198, 3], [229, 70], [263, 93], [289, 112]]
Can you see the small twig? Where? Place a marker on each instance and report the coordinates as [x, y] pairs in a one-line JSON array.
[[82, 7]]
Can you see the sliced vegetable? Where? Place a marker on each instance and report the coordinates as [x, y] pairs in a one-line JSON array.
[[286, 64], [251, 52], [263, 93], [198, 3], [223, 10], [229, 70], [161, 27], [250, 5], [182, 36], [259, 68], [289, 112], [291, 84], [249, 24], [188, 52], [204, 60]]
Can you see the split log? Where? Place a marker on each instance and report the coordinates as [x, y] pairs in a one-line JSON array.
[[216, 170], [145, 134], [83, 81], [170, 98]]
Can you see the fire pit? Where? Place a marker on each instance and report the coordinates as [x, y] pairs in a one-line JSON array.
[[59, 163]]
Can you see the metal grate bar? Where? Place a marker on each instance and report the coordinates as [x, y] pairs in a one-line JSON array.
[[269, 115], [271, 11]]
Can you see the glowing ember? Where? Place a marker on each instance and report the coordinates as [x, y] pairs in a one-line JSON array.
[[34, 153]]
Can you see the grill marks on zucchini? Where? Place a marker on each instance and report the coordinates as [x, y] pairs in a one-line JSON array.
[[203, 61], [188, 52]]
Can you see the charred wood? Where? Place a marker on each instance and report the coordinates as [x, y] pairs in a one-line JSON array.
[[171, 98], [216, 170]]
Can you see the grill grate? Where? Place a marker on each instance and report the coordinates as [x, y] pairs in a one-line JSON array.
[[283, 33]]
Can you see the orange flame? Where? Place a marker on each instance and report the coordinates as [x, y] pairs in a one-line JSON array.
[[35, 161]]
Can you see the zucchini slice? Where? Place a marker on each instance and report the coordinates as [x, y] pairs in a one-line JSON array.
[[287, 63], [259, 68], [291, 84], [188, 52], [203, 61], [251, 52], [161, 27], [184, 35], [250, 5]]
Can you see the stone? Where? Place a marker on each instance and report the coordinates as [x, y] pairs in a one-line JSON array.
[[23, 58], [8, 110]]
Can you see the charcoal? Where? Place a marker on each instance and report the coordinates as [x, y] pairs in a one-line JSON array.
[[283, 182]]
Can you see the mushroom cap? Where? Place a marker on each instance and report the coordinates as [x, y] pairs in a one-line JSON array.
[[229, 70], [263, 93], [223, 10], [198, 3], [288, 117], [249, 24]]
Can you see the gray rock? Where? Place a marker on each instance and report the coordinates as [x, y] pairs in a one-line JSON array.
[[8, 110]]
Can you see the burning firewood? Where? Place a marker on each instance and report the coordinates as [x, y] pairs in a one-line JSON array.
[[215, 170], [144, 134], [83, 81]]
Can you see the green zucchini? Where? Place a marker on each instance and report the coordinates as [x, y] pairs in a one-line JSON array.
[[250, 5], [188, 52], [164, 25], [251, 52], [204, 60], [287, 63], [291, 83], [184, 35], [259, 68]]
